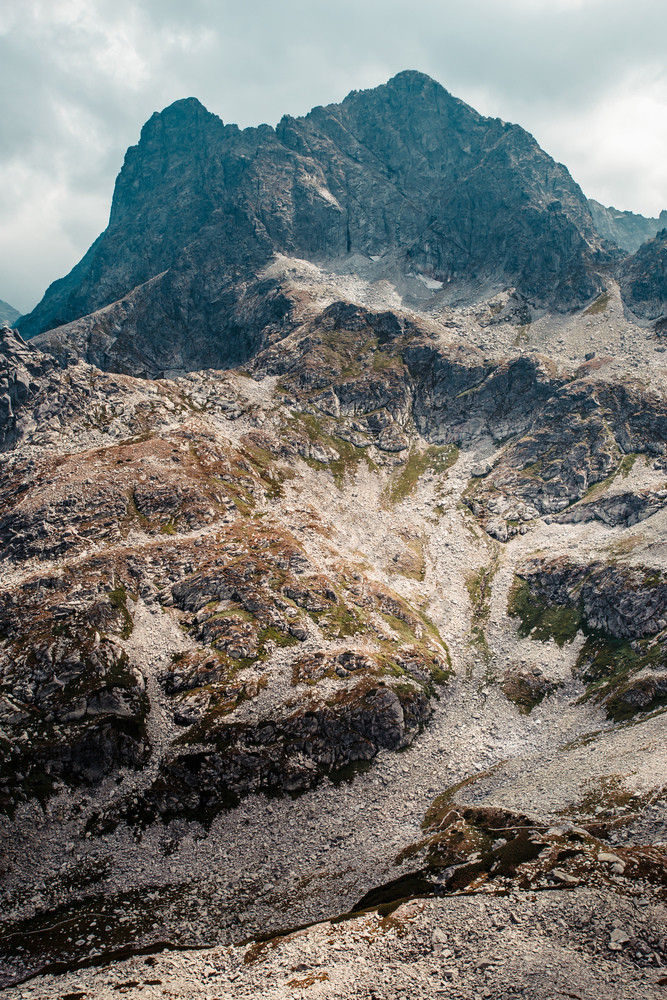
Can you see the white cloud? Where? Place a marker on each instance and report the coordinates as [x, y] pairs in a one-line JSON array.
[[618, 145]]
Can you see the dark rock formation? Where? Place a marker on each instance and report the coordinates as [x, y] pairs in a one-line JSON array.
[[8, 315], [405, 172], [623, 601], [290, 754], [627, 229], [644, 279], [622, 611], [72, 708], [20, 367], [623, 509], [584, 434]]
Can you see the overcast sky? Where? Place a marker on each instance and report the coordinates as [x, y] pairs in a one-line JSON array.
[[79, 77]]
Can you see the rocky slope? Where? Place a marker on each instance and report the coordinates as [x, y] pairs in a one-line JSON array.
[[644, 280], [8, 315], [343, 671], [232, 599]]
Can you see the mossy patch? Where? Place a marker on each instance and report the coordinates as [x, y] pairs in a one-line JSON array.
[[436, 458], [340, 621], [478, 584], [599, 306], [526, 690], [118, 597], [539, 619], [627, 463]]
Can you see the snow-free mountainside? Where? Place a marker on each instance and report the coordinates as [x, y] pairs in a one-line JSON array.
[[333, 620], [8, 315]]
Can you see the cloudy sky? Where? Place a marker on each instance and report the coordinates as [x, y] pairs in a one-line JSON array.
[[79, 77]]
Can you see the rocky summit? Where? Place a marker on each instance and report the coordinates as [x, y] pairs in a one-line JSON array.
[[333, 532]]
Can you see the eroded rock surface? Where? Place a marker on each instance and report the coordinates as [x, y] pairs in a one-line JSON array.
[[380, 615]]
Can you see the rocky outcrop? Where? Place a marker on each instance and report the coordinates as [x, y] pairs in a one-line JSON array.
[[622, 611], [623, 509], [20, 368], [289, 754], [623, 601], [8, 315], [72, 707], [463, 399], [626, 229], [404, 174], [583, 435], [644, 279], [46, 403]]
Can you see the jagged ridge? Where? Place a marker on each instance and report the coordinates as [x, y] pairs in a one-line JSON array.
[[404, 172]]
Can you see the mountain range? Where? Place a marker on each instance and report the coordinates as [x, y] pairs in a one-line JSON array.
[[333, 535]]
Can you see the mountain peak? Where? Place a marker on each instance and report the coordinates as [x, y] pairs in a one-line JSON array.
[[408, 85], [404, 171], [412, 79], [186, 113]]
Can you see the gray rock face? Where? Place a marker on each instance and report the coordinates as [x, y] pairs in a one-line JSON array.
[[627, 229], [644, 279], [621, 601], [20, 368], [579, 436], [8, 315], [620, 609], [405, 172], [624, 509]]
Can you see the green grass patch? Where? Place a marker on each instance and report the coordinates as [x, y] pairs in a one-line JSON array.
[[439, 675], [384, 361], [627, 463], [281, 639], [604, 659], [340, 621], [478, 584], [598, 306], [118, 597], [436, 458], [234, 612], [539, 619]]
